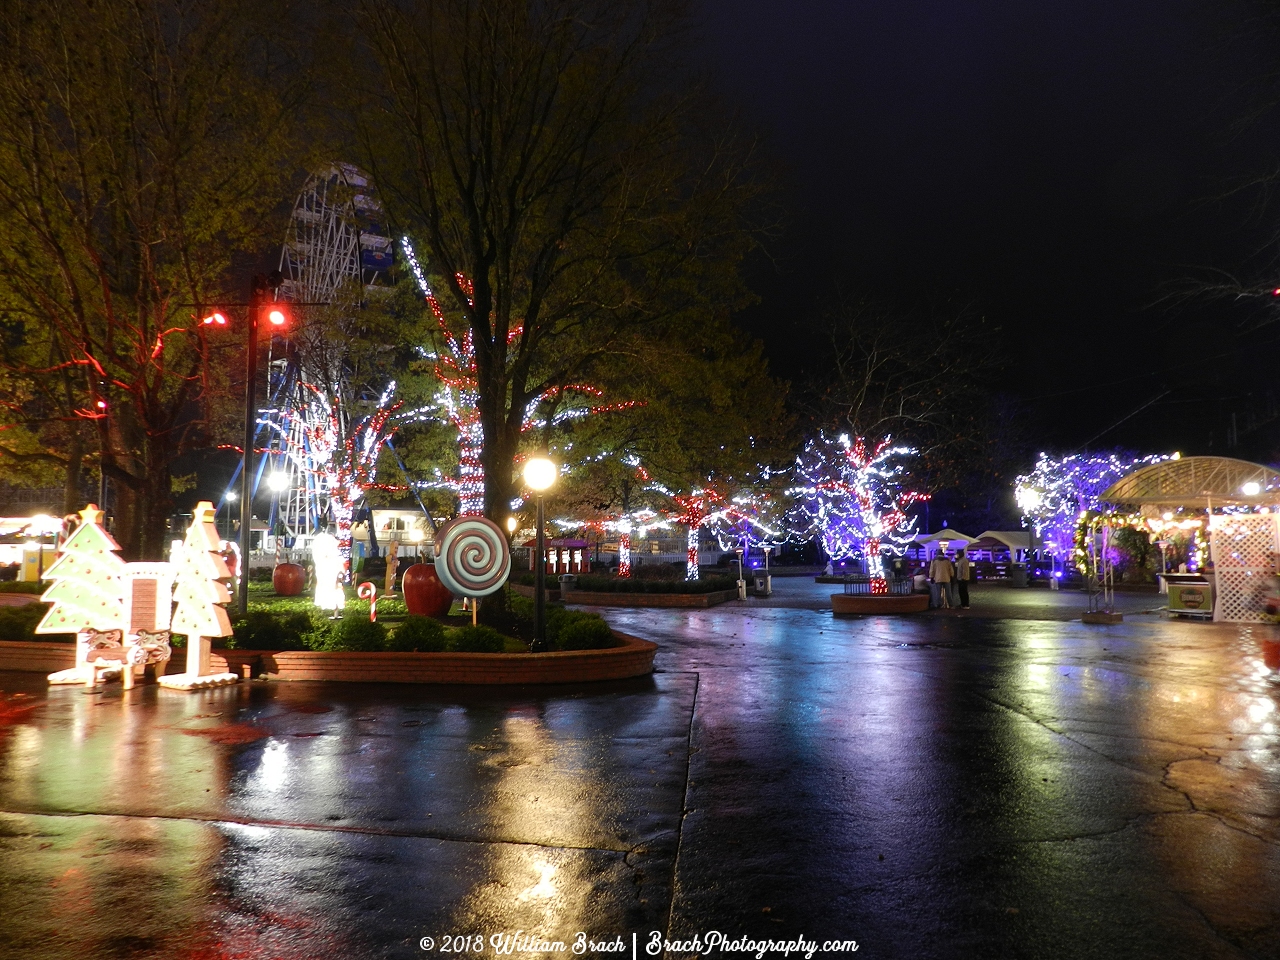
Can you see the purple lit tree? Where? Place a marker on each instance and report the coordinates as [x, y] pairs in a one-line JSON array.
[[1054, 495]]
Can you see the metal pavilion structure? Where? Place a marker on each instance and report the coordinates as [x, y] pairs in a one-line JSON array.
[[1244, 532]]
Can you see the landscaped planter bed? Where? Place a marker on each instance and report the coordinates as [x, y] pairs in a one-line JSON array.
[[621, 599], [634, 658], [843, 603]]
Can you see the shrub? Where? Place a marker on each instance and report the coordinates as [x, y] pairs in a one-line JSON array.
[[260, 574], [585, 632], [418, 633], [478, 639], [24, 586], [267, 630], [19, 623], [357, 634], [323, 633]]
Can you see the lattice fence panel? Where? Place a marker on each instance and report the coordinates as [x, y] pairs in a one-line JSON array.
[[1244, 555]]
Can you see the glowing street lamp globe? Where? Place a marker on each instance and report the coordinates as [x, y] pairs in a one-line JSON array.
[[540, 474], [1251, 489], [278, 481], [1029, 499]]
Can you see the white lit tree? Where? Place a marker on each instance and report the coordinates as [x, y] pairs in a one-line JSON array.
[[1055, 494], [851, 496]]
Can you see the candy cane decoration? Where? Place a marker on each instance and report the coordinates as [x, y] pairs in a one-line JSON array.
[[473, 558], [369, 591]]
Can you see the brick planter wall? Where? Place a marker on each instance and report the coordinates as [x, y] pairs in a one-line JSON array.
[[633, 659], [648, 599], [846, 603], [36, 656]]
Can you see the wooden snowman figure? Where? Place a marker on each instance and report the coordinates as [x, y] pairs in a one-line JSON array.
[[393, 565], [200, 592], [87, 597]]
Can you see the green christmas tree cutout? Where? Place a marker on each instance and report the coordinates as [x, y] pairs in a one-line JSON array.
[[88, 583]]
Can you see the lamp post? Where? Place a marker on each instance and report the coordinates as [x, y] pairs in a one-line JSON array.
[[540, 474], [257, 298], [229, 498]]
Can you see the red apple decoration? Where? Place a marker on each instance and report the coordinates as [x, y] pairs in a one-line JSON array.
[[424, 594], [288, 579]]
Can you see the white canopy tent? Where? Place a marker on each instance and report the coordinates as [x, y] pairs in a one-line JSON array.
[[944, 540]]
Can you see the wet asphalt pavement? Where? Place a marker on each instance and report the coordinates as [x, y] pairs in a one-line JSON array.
[[940, 786]]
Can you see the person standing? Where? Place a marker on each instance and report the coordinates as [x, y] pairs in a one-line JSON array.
[[940, 573], [964, 573]]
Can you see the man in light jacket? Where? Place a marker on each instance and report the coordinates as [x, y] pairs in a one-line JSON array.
[[940, 573]]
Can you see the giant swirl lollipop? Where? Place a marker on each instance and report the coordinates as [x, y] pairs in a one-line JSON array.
[[472, 556]]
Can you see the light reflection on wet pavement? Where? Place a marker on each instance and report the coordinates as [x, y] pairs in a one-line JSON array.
[[932, 787]]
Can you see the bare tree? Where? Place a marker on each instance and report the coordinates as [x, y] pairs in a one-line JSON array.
[[911, 373]]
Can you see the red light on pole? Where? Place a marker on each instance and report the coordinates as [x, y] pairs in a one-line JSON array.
[[217, 318], [277, 317]]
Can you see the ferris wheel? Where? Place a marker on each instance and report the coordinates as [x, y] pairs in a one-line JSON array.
[[336, 253], [335, 241]]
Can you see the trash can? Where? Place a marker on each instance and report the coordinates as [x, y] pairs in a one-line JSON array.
[[762, 583], [568, 582], [742, 589], [1018, 572]]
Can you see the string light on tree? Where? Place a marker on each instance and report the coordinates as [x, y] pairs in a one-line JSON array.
[[851, 497], [639, 522], [1059, 491], [340, 457], [457, 402], [703, 508]]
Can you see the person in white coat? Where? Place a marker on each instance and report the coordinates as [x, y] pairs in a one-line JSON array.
[[940, 572], [328, 563]]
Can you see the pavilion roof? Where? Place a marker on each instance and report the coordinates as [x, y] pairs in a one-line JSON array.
[[1012, 539], [951, 536], [1196, 482]]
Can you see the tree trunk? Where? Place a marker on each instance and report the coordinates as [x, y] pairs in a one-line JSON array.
[[498, 457], [71, 496]]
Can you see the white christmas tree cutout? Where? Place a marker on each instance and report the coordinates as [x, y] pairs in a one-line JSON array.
[[200, 592]]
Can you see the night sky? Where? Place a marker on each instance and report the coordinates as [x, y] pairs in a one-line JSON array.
[[1060, 166]]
